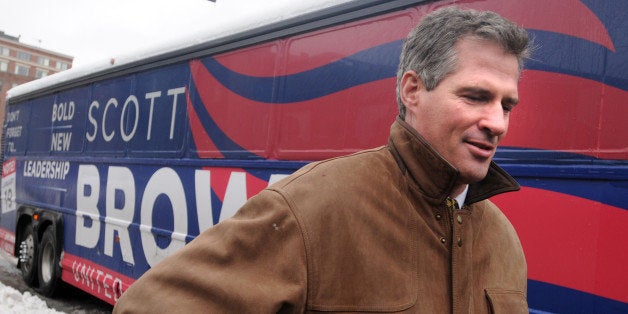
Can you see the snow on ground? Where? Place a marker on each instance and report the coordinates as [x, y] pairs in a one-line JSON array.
[[13, 301]]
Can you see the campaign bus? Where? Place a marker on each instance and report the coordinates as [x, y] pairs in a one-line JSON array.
[[108, 170]]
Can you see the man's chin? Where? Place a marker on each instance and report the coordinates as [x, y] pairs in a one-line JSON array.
[[473, 176]]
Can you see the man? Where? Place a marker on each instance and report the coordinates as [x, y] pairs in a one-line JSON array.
[[379, 231]]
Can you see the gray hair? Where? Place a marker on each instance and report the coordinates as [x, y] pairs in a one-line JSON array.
[[429, 48]]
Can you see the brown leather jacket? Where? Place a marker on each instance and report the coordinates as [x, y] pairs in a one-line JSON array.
[[369, 232]]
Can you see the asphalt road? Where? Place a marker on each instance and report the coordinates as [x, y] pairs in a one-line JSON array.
[[68, 300]]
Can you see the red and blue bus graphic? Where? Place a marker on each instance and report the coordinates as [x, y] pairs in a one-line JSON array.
[[182, 146], [572, 224]]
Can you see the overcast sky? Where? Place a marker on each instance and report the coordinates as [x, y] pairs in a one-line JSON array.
[[95, 30]]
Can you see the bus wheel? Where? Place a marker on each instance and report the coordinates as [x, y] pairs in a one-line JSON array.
[[49, 268], [28, 255]]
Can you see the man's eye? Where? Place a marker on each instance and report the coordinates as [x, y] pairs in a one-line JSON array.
[[474, 98], [508, 108]]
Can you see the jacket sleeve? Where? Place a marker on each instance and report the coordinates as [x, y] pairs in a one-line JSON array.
[[252, 263]]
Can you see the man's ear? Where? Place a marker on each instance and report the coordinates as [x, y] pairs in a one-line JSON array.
[[411, 85]]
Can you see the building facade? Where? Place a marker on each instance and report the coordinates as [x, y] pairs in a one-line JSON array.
[[21, 63]]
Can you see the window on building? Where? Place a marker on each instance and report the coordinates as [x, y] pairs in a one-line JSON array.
[[4, 66], [43, 61], [61, 66], [21, 69], [24, 56], [4, 51], [41, 73]]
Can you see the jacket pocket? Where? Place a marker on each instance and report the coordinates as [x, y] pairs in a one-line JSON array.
[[506, 301]]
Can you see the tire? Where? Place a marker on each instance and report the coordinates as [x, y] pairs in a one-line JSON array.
[[49, 269], [28, 255]]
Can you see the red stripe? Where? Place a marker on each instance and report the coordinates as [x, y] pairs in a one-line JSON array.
[[575, 18], [220, 177], [95, 279], [254, 185], [7, 241], [551, 117], [219, 180], [340, 123], [571, 241], [204, 145], [9, 167], [312, 50], [567, 113]]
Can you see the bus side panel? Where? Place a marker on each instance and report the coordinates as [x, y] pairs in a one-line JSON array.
[[131, 216], [573, 245], [319, 100], [139, 164], [567, 146], [571, 115], [15, 135]]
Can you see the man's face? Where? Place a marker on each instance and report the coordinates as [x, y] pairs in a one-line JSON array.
[[466, 115]]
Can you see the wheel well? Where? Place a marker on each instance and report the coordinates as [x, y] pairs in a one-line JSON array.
[[23, 220], [46, 219]]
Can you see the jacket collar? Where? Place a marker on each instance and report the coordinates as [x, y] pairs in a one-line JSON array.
[[433, 175]]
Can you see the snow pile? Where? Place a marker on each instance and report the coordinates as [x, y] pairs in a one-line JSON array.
[[12, 301]]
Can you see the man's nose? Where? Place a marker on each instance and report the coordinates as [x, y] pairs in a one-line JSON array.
[[494, 119]]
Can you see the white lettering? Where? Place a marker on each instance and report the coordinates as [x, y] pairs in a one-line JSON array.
[[202, 187], [90, 277], [77, 277], [120, 202], [99, 273], [164, 181], [63, 111], [118, 219], [13, 116], [235, 195], [109, 136], [92, 120], [274, 178], [152, 97], [61, 141], [106, 286], [83, 273], [15, 131], [131, 99], [46, 169], [174, 92], [87, 190]]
